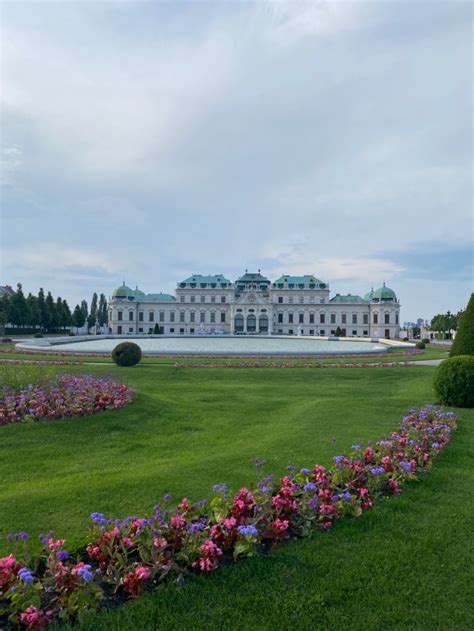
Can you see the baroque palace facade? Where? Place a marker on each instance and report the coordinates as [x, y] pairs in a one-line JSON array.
[[291, 305]]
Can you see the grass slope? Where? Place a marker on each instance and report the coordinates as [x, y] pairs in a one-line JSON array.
[[404, 565]]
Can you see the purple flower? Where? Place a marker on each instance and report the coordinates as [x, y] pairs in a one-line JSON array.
[[406, 466], [62, 555], [167, 497], [346, 496], [85, 573], [247, 531], [25, 575], [310, 487], [377, 471], [435, 446], [355, 447], [305, 471]]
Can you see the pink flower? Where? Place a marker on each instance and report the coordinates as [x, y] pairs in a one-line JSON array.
[[33, 618], [177, 522]]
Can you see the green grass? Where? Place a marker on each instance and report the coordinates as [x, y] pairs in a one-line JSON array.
[[403, 565]]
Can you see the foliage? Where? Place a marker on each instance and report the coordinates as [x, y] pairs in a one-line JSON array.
[[454, 381], [425, 340], [421, 345], [21, 377], [68, 395], [464, 341], [338, 331], [137, 553], [92, 317], [127, 354], [78, 317]]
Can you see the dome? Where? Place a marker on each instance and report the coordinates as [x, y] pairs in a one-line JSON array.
[[384, 293], [138, 293], [122, 292], [369, 295]]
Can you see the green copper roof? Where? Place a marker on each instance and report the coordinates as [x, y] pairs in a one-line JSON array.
[[347, 298], [208, 279], [160, 297], [369, 295], [123, 292], [305, 280], [138, 293], [253, 277], [384, 293]]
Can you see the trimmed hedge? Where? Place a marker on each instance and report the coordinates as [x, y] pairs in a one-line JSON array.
[[420, 345], [127, 354], [454, 381], [464, 341]]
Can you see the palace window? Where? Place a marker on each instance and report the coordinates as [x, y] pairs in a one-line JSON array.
[[365, 332], [301, 318], [171, 316], [322, 318], [280, 318], [376, 318], [119, 316], [322, 332], [290, 299], [354, 332], [222, 316], [193, 299], [280, 299], [162, 316], [301, 299], [213, 299], [182, 298], [222, 298], [365, 318], [130, 315], [203, 316], [130, 329], [140, 316], [181, 318], [344, 319], [119, 330], [354, 318], [203, 298], [311, 299], [171, 330], [396, 318], [151, 316], [213, 316], [311, 318], [140, 330], [290, 318], [192, 317], [387, 318]]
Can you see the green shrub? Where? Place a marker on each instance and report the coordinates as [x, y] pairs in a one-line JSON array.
[[127, 354], [420, 344], [38, 335], [464, 341], [454, 381], [425, 340]]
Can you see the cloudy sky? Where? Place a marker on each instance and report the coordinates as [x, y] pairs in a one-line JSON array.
[[144, 141]]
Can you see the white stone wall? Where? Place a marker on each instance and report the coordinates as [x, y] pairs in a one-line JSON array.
[[276, 311]]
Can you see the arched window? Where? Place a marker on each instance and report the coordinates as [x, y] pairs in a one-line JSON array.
[[263, 323], [251, 323], [239, 323]]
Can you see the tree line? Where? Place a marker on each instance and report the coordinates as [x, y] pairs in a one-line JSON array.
[[44, 313]]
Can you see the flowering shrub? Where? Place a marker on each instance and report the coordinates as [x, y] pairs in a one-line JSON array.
[[125, 557], [68, 395]]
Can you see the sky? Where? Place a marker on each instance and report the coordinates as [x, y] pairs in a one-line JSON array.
[[147, 141]]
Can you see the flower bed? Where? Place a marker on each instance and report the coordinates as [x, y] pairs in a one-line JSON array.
[[125, 557], [280, 364], [68, 395]]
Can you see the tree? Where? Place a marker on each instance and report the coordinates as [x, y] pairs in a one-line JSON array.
[[91, 320], [84, 309], [45, 316], [51, 309], [35, 316], [102, 310], [59, 312], [67, 317], [78, 318], [338, 331], [464, 341], [4, 308], [18, 313]]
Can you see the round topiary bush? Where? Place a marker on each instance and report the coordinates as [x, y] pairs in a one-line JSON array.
[[454, 381], [38, 335], [425, 340], [127, 354], [420, 345]]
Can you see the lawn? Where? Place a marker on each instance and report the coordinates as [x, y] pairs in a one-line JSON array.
[[402, 565]]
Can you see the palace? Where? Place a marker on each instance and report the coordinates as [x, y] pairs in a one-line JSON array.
[[291, 305]]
